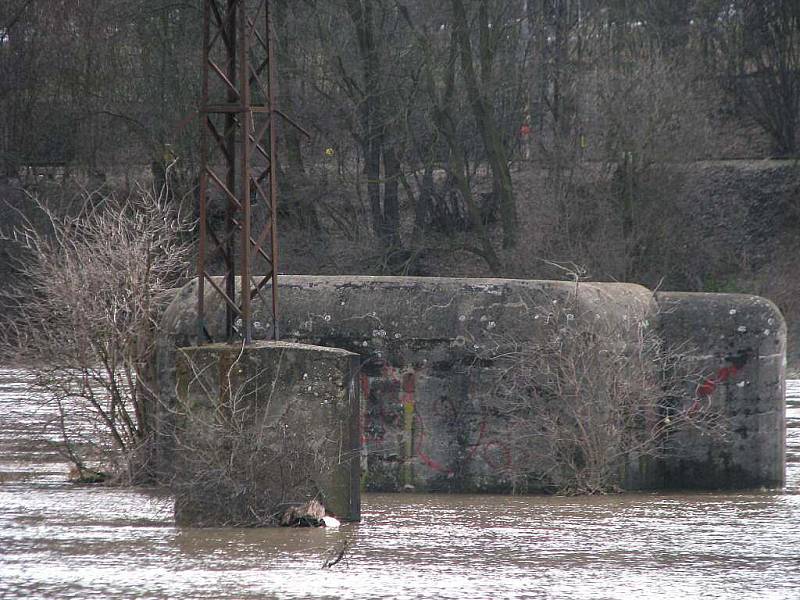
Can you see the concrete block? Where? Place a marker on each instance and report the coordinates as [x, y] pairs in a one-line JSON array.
[[263, 425], [739, 343]]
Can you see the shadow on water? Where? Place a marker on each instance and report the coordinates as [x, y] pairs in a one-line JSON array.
[[65, 541]]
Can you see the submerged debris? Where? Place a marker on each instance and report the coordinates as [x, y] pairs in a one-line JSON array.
[[310, 514], [84, 475]]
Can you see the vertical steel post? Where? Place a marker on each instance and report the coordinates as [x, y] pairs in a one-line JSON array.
[[245, 127], [201, 250], [272, 84], [233, 96]]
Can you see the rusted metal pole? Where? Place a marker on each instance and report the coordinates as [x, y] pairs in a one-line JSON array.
[[272, 84], [201, 250], [229, 132], [239, 105], [245, 124]]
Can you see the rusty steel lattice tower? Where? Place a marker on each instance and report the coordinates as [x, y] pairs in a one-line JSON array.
[[238, 150]]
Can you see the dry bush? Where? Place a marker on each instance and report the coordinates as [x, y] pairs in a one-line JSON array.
[[84, 318], [590, 398], [243, 456]]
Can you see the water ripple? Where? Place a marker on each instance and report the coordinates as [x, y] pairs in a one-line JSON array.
[[64, 541]]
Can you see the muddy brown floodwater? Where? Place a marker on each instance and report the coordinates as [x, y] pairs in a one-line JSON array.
[[59, 540]]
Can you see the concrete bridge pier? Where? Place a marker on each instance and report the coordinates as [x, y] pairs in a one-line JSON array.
[[739, 342], [262, 426]]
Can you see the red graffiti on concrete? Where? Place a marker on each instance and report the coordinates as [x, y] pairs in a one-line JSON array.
[[408, 387], [705, 389], [723, 375], [379, 418]]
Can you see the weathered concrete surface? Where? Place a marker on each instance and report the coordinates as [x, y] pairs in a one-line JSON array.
[[295, 401], [421, 340], [739, 341]]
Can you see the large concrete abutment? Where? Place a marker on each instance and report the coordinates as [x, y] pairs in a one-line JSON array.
[[426, 370]]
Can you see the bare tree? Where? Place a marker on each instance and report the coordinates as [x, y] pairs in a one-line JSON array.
[[84, 317], [759, 42], [373, 87], [648, 119], [479, 82], [98, 84], [590, 397], [438, 80]]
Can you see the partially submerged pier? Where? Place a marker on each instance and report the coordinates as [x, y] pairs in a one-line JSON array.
[[424, 421]]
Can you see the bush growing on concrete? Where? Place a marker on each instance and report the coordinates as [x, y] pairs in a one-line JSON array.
[[85, 315], [244, 457], [591, 400]]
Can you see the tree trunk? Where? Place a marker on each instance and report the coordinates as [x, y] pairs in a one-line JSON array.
[[376, 144], [487, 126], [391, 199]]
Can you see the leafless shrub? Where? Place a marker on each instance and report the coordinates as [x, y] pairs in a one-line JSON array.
[[85, 315], [244, 457], [590, 398]]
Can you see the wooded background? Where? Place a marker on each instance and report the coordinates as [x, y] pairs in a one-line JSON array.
[[613, 140]]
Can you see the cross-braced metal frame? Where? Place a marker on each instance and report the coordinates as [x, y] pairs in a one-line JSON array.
[[238, 154]]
